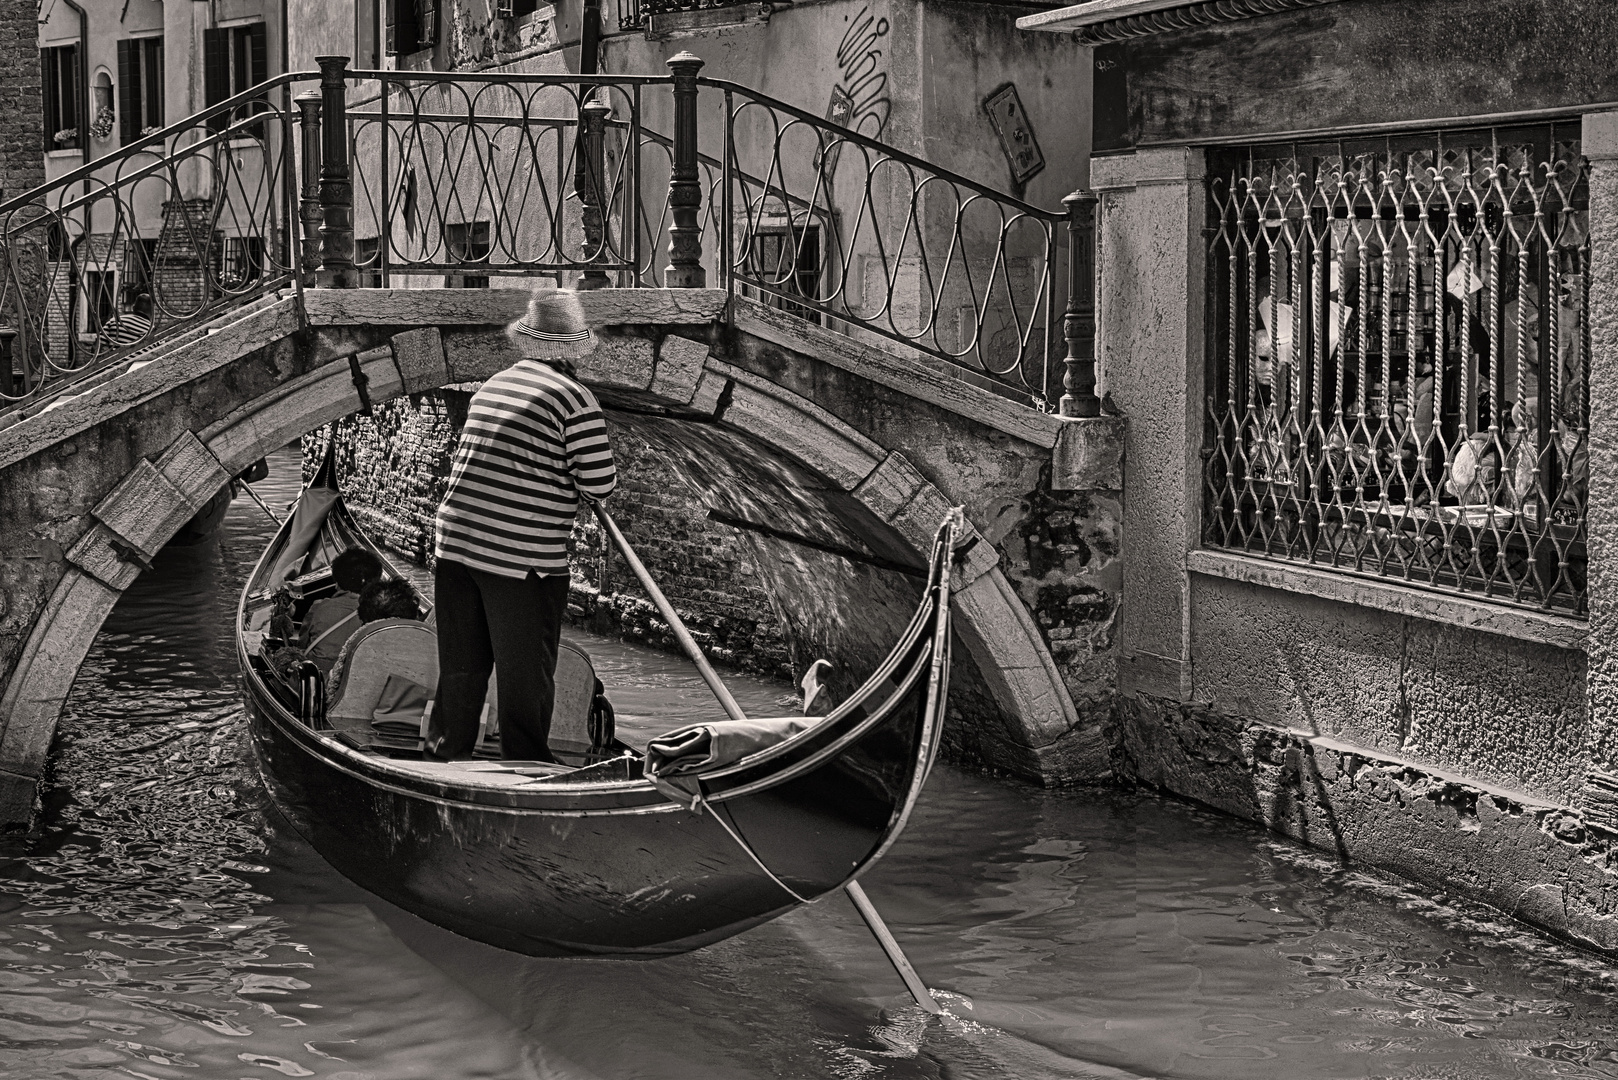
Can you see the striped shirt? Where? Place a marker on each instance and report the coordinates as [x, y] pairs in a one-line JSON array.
[[126, 329], [534, 439]]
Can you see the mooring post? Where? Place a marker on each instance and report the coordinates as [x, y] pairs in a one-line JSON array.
[[685, 190], [1079, 321], [309, 180], [590, 181], [336, 185]]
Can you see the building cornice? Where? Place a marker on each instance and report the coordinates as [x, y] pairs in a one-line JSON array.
[[1098, 22]]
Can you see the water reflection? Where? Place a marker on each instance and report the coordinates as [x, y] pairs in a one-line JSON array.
[[168, 924]]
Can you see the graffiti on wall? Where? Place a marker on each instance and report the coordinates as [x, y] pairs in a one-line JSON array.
[[860, 100]]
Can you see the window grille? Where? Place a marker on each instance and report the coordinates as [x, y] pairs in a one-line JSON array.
[[241, 261], [787, 257], [64, 124], [1398, 361]]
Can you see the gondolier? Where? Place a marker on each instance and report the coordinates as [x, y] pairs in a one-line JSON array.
[[534, 442]]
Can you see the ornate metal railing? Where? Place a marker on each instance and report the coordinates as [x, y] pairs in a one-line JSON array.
[[1399, 360], [134, 248], [431, 179]]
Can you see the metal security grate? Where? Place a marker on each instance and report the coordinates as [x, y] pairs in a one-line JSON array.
[[1398, 359]]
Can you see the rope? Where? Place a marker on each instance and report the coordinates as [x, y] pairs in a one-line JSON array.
[[698, 804]]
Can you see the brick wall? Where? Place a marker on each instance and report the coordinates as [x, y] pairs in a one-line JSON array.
[[22, 165], [394, 468]]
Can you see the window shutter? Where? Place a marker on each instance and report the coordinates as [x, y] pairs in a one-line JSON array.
[[260, 62], [216, 73], [48, 98], [129, 82], [402, 25], [426, 23], [78, 117]]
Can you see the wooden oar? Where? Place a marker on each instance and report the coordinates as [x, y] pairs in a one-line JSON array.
[[267, 511], [727, 701]]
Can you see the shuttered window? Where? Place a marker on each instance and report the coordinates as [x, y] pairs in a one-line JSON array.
[[412, 25], [64, 128], [234, 61], [140, 87]]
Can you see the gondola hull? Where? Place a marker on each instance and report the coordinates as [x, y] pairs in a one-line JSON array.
[[651, 878], [587, 864]]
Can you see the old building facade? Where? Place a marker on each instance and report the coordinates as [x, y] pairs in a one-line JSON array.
[[1355, 306], [115, 75]]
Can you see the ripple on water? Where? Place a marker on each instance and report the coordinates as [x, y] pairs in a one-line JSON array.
[[167, 925]]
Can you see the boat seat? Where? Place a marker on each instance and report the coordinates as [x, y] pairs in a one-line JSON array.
[[406, 649]]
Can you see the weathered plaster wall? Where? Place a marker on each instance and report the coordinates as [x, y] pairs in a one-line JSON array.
[[1533, 859], [1600, 145], [1497, 710]]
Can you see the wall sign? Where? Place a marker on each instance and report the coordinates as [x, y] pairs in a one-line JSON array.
[[1016, 133]]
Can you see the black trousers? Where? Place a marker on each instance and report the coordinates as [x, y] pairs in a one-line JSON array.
[[487, 621]]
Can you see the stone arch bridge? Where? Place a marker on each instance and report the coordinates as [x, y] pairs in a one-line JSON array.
[[838, 458]]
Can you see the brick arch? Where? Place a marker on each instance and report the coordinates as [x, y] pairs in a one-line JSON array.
[[664, 377]]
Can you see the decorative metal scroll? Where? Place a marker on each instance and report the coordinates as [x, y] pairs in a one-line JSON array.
[[1399, 357]]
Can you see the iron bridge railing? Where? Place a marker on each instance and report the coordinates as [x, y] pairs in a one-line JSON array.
[[432, 179]]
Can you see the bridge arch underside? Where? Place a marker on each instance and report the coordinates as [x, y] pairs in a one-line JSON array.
[[840, 524]]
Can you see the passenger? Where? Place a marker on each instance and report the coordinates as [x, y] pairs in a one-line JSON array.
[[534, 442], [331, 620], [389, 598], [401, 700]]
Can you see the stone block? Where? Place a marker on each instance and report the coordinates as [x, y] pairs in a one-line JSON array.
[[192, 468], [144, 509], [710, 388], [471, 355], [96, 555], [621, 307], [678, 368], [618, 362], [800, 427], [1089, 455], [419, 355], [997, 629]]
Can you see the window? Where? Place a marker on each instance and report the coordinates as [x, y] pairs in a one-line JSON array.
[[787, 261], [509, 9], [412, 25], [468, 242], [140, 256], [241, 260], [140, 87], [234, 61], [1398, 361], [59, 68], [101, 298]]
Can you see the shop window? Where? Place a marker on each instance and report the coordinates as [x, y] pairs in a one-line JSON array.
[[1399, 357], [785, 262]]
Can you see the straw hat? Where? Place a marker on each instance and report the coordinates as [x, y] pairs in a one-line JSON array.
[[555, 327]]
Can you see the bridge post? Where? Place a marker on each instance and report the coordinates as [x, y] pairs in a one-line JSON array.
[[309, 177], [589, 180], [685, 189], [1079, 321], [336, 185]]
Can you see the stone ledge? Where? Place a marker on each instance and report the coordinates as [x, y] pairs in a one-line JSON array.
[[1538, 861], [1561, 631]]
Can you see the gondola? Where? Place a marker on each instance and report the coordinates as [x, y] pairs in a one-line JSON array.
[[593, 857]]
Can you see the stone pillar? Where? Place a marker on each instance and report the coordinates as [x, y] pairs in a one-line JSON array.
[[1150, 263], [1600, 146]]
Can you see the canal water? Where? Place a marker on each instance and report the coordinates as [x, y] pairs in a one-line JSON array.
[[168, 924]]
